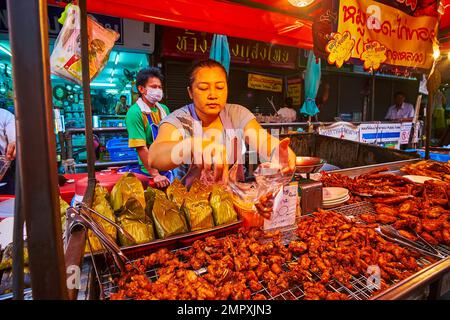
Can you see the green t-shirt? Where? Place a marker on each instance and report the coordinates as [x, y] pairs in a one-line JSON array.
[[139, 131]]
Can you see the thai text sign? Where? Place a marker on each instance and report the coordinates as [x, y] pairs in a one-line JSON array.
[[182, 43], [260, 82], [408, 40], [341, 130], [294, 91]]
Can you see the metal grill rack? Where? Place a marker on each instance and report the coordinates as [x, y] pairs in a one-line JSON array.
[[361, 289], [354, 210]]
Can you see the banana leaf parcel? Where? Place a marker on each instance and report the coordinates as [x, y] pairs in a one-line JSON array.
[[198, 214], [136, 222], [166, 215], [196, 207], [222, 206], [177, 192], [102, 206], [127, 187]]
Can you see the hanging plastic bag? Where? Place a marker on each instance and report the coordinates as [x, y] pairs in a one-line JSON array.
[[65, 60]]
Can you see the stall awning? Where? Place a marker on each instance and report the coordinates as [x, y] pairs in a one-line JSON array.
[[261, 22]]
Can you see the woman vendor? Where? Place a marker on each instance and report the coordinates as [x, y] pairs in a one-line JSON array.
[[142, 121], [209, 133]]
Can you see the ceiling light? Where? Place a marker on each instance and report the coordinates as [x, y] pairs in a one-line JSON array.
[[102, 84], [300, 3], [116, 60]]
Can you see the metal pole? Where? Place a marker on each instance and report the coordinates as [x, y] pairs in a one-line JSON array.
[[373, 98], [18, 273], [39, 201], [87, 92], [429, 121]]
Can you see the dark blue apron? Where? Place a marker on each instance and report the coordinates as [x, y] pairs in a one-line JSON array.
[[194, 171], [168, 174]]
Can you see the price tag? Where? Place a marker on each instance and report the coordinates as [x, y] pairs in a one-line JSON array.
[[284, 208]]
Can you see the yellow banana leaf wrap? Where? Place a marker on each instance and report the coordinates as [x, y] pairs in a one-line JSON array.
[[136, 222], [177, 192], [198, 214], [63, 206], [222, 206], [102, 206], [196, 207], [127, 187], [200, 190], [168, 219]]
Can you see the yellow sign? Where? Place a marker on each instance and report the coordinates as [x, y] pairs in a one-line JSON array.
[[259, 82], [408, 40], [373, 56], [294, 91], [340, 48]]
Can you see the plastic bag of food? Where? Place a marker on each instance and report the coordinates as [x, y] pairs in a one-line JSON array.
[[177, 192], [136, 222], [102, 206], [166, 216], [222, 206], [65, 60], [127, 187], [199, 191], [260, 194], [6, 280]]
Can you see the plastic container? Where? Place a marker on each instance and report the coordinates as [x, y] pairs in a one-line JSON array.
[[119, 151]]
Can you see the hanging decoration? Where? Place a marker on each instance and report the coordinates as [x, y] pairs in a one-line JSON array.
[[373, 56], [340, 48]]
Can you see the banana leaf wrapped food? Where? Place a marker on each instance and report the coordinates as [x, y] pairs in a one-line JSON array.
[[127, 187], [196, 207], [222, 206], [63, 206], [102, 206], [168, 219], [177, 192], [6, 279], [136, 222]]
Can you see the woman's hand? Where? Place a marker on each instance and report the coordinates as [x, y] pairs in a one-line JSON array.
[[212, 156], [11, 151], [284, 156], [161, 181]]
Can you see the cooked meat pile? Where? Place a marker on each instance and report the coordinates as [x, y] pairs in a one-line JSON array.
[[239, 266], [416, 210]]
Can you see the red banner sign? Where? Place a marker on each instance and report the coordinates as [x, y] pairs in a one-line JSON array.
[[181, 43]]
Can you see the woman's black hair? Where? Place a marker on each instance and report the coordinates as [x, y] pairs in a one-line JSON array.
[[147, 73], [208, 63]]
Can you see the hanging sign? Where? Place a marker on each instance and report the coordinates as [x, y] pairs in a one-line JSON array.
[[260, 82], [340, 48], [374, 55], [408, 39]]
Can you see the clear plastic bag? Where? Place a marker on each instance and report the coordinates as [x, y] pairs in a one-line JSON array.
[[258, 195], [65, 60]]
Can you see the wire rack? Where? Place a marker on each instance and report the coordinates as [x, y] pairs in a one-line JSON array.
[[354, 210], [361, 287]]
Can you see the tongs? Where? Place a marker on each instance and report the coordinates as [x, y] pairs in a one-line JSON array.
[[392, 234], [79, 213]]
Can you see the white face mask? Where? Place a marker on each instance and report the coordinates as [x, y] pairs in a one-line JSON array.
[[154, 95]]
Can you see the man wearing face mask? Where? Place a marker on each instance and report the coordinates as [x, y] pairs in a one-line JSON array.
[[143, 119]]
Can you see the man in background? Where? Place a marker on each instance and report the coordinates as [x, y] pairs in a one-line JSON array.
[[7, 148], [288, 112], [122, 107], [400, 111]]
